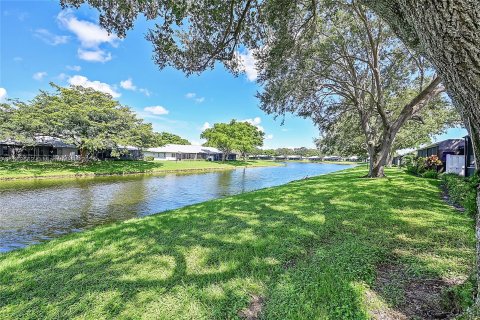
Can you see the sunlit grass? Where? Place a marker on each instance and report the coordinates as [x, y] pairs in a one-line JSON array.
[[310, 248], [12, 169]]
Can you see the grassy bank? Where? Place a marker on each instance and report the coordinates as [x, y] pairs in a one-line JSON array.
[[20, 170], [331, 247]]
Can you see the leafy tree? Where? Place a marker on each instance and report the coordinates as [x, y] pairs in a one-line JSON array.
[[89, 119], [345, 138], [247, 137], [163, 138], [445, 33], [347, 61], [193, 35], [284, 152], [234, 135]]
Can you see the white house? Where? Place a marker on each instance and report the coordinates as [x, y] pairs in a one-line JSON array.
[[185, 152]]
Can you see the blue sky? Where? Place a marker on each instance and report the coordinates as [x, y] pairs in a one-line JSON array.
[[40, 43]]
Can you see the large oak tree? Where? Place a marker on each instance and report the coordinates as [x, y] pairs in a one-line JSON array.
[[193, 35]]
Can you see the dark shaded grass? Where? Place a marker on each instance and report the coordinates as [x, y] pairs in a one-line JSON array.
[[310, 248]]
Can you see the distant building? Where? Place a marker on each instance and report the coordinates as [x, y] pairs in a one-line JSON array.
[[332, 158], [175, 152], [43, 149], [314, 158], [260, 157], [294, 157], [46, 148]]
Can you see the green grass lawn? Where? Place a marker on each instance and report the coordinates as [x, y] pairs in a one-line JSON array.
[[13, 170], [335, 246]]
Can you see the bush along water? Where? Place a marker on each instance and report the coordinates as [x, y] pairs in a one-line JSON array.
[[462, 191]]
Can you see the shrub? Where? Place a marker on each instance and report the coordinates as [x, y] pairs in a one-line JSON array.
[[412, 169], [149, 158], [431, 174], [462, 191], [432, 162]]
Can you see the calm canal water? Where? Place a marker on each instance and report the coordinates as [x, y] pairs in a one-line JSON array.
[[32, 211]]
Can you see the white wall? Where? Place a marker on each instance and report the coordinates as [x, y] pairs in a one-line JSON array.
[[160, 155]]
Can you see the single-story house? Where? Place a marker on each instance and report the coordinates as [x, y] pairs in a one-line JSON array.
[[314, 158], [280, 157], [294, 157], [332, 158], [126, 153], [260, 157], [47, 148], [443, 148], [44, 148], [186, 152]]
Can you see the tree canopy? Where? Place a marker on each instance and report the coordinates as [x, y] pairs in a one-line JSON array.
[[89, 119], [163, 138], [235, 135]]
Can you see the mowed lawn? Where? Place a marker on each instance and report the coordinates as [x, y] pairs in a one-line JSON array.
[[331, 247], [13, 170]]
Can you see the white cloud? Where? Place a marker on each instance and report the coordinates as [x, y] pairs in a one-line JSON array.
[[158, 110], [96, 55], [285, 129], [18, 59], [206, 126], [128, 85], [50, 38], [82, 81], [74, 68], [3, 94], [90, 35], [145, 91], [193, 95], [247, 64], [39, 75], [255, 122], [269, 137]]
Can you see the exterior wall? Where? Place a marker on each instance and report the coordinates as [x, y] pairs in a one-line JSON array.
[[469, 157]]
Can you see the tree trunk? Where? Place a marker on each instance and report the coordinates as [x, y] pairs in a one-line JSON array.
[[83, 155], [379, 154], [448, 33]]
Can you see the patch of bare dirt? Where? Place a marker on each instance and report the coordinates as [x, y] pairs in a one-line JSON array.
[[252, 312], [412, 298]]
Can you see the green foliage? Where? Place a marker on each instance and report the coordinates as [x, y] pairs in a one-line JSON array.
[[311, 248], [149, 158], [89, 119], [430, 174], [240, 136], [462, 191], [423, 167], [163, 138], [460, 297]]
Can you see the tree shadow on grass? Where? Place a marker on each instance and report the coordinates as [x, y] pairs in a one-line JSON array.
[[311, 247]]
